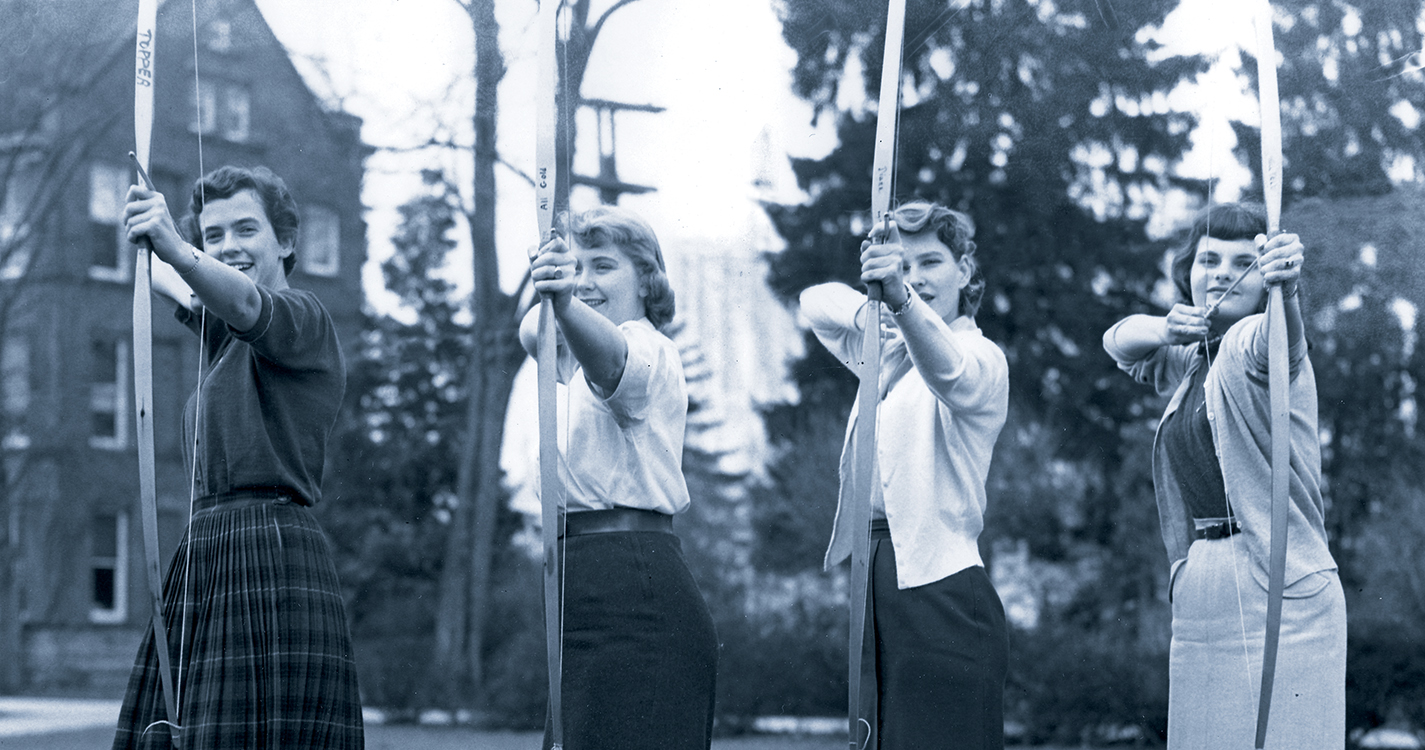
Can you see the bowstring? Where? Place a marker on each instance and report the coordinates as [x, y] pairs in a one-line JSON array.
[[1207, 351], [563, 115], [198, 392]]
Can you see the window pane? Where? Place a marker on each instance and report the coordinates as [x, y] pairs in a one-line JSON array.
[[108, 560], [107, 186], [205, 120], [104, 587], [104, 241], [105, 395], [103, 425], [236, 111], [320, 245], [104, 363], [18, 202], [218, 36], [15, 372], [105, 529]]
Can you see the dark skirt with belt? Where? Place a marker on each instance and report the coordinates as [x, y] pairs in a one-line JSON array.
[[941, 653], [640, 652], [257, 634]]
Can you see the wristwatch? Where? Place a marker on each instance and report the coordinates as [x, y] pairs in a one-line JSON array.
[[909, 293]]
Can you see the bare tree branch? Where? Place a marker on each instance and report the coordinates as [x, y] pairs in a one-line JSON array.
[[599, 24]]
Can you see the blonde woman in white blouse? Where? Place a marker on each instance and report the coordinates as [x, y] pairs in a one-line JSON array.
[[640, 651], [936, 626]]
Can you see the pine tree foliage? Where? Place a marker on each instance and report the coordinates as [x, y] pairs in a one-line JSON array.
[[1049, 124], [1352, 91]]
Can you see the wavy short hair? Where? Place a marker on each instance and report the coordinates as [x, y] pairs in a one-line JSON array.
[[277, 202], [1228, 222], [604, 226], [956, 231]]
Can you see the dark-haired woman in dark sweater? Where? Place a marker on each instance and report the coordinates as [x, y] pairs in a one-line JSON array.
[[256, 626]]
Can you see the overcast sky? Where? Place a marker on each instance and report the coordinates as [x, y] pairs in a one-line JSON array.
[[720, 68]]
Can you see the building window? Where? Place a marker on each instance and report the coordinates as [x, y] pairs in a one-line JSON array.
[[224, 109], [205, 120], [15, 392], [18, 204], [218, 35], [108, 185], [108, 567], [320, 246], [236, 114], [108, 391]]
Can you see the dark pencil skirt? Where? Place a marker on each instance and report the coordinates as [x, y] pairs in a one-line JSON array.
[[941, 653], [257, 634], [640, 653]]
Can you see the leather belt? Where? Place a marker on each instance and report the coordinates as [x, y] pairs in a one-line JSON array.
[[577, 523], [1220, 530], [248, 496]]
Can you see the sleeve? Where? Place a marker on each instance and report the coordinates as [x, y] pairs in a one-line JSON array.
[[652, 366], [293, 331], [1163, 369], [1249, 339], [831, 310], [978, 382]]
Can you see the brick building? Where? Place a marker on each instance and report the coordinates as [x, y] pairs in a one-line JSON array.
[[73, 599]]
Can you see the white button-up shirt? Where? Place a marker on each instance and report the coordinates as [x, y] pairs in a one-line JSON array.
[[627, 445], [937, 429]]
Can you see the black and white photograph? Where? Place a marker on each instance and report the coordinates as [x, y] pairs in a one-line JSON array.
[[712, 374]]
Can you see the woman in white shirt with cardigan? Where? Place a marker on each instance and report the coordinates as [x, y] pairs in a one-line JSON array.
[[640, 652], [936, 622]]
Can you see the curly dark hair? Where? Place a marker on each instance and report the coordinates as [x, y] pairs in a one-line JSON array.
[[955, 229], [277, 202], [603, 226]]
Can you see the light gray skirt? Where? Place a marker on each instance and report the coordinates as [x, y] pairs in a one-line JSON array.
[[1215, 665]]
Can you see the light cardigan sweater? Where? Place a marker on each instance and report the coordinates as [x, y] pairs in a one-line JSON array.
[[937, 433], [1239, 413]]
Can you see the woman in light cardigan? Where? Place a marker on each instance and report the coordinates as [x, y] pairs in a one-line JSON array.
[[1212, 476], [936, 626]]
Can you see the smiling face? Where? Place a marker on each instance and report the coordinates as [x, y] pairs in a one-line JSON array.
[[933, 272], [606, 280], [237, 232], [1218, 263]]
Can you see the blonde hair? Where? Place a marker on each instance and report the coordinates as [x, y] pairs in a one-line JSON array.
[[603, 226], [955, 230]]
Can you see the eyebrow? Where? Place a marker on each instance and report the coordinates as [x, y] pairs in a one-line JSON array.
[[238, 222], [599, 254]]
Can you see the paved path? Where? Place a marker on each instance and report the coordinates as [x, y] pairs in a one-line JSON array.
[[20, 717], [73, 724]]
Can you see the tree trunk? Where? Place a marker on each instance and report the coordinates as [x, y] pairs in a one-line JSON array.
[[458, 666], [459, 643]]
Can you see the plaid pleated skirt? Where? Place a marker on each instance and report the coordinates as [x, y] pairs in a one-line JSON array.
[[1215, 661], [640, 651], [936, 655], [257, 634]]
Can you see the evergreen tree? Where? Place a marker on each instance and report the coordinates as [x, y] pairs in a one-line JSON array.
[[1048, 124]]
